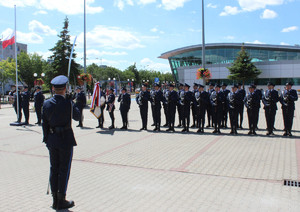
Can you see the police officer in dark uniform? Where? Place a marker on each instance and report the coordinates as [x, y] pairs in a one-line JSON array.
[[270, 100], [252, 103], [209, 106], [80, 103], [202, 99], [102, 107], [25, 103], [125, 102], [179, 106], [217, 100], [165, 105], [59, 138], [156, 99], [287, 100], [225, 106], [259, 93], [194, 107], [18, 103], [38, 104], [241, 105], [233, 100], [111, 107], [152, 106], [172, 99], [187, 98], [142, 100]]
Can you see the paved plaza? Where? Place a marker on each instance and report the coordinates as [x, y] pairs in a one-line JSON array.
[[115, 170]]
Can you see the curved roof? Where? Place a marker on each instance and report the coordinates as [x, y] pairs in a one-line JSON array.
[[174, 52]]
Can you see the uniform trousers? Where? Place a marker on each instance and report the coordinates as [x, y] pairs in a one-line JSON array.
[[26, 113], [171, 114], [233, 115], [157, 115], [186, 111], [201, 117], [270, 118], [124, 115], [252, 118], [144, 115], [288, 117]]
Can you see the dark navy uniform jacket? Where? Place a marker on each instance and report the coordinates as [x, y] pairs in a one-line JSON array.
[[270, 99], [173, 97], [38, 99], [80, 99], [252, 101], [145, 97], [125, 101], [57, 115], [25, 98], [233, 100], [217, 99], [189, 98], [15, 100], [158, 98], [289, 101], [203, 100], [111, 100]]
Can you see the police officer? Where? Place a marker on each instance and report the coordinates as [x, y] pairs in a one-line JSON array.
[[179, 105], [125, 102], [80, 103], [241, 105], [225, 106], [165, 104], [142, 100], [38, 103], [287, 100], [209, 106], [252, 103], [156, 99], [102, 107], [59, 138], [259, 93], [194, 107], [270, 100], [217, 100], [172, 99], [111, 107], [16, 103], [202, 99], [233, 100], [25, 95], [186, 100]]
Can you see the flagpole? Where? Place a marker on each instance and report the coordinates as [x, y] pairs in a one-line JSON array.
[[16, 56], [84, 48], [203, 42]]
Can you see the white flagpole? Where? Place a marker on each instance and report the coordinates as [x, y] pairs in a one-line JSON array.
[[16, 56], [203, 41]]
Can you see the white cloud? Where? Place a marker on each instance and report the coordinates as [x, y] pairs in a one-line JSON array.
[[111, 37], [285, 44], [96, 53], [165, 67], [70, 7], [146, 1], [173, 4], [251, 5], [229, 37], [194, 30], [28, 38], [40, 12], [228, 10], [154, 29], [268, 14], [255, 42], [121, 3], [289, 29], [38, 27], [45, 55], [210, 5]]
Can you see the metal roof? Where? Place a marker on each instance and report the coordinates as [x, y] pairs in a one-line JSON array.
[[174, 52]]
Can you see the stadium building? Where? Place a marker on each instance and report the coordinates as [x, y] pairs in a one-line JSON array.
[[278, 63]]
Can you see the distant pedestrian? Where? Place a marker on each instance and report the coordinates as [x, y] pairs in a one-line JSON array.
[[38, 104]]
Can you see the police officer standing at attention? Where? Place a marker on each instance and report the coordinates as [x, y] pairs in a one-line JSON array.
[[179, 105], [80, 103], [270, 100], [172, 99], [16, 103], [111, 107], [209, 106], [102, 107], [259, 93], [165, 105], [233, 100], [194, 107], [142, 100], [25, 103], [59, 138], [225, 106], [217, 100], [187, 99], [125, 102], [241, 105], [38, 104], [156, 99], [202, 100], [252, 103], [287, 100]]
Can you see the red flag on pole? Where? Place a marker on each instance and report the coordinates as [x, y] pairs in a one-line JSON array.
[[9, 40]]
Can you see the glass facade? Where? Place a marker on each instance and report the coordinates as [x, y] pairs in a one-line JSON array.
[[276, 81], [226, 55]]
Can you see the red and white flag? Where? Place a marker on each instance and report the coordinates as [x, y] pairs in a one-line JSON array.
[[9, 40]]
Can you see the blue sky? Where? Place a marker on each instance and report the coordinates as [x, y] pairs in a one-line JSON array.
[[122, 32]]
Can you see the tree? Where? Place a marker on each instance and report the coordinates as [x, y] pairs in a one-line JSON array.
[[242, 68], [136, 73], [8, 71], [61, 51]]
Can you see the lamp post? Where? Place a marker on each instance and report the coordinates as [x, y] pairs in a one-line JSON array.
[[116, 86], [132, 85]]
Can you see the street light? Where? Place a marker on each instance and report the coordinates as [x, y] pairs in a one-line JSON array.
[[35, 74], [43, 75], [115, 84]]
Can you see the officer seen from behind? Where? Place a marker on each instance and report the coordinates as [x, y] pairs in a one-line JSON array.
[[233, 100], [252, 103], [142, 100], [38, 103], [125, 102], [172, 99], [80, 103], [25, 95]]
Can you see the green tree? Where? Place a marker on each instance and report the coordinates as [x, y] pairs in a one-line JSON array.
[[136, 73], [8, 71], [242, 68], [61, 52]]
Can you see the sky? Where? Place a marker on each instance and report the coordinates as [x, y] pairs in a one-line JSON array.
[[123, 32]]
